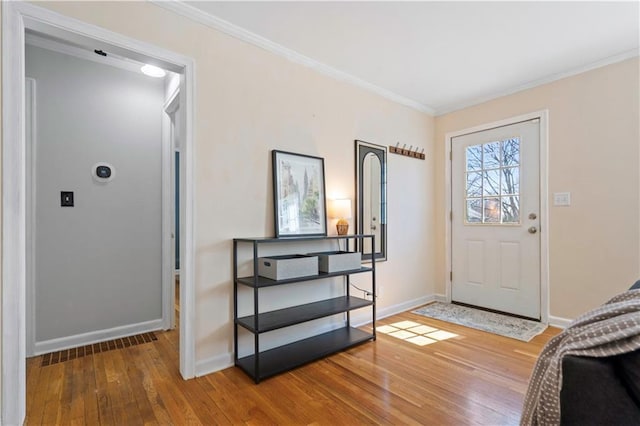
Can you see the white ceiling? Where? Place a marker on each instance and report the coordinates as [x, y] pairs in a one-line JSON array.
[[444, 55]]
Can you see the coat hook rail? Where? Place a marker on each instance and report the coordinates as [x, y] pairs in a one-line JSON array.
[[407, 152]]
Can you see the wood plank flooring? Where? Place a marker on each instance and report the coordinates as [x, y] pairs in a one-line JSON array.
[[474, 378]]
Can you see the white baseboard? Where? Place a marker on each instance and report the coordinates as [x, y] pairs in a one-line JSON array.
[[83, 339], [213, 364], [360, 320], [559, 321], [405, 306], [440, 298]]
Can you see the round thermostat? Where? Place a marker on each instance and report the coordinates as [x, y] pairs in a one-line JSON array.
[[103, 172]]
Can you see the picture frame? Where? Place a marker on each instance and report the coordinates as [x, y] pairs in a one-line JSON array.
[[299, 201]]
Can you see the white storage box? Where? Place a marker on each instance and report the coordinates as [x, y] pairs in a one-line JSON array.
[[286, 267], [336, 261]]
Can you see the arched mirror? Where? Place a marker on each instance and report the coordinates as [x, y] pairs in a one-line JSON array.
[[371, 198]]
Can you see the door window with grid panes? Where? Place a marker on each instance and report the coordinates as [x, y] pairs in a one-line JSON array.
[[493, 183]]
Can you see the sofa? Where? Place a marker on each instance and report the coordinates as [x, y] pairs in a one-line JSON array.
[[601, 391]]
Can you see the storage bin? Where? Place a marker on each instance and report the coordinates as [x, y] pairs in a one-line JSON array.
[[336, 261], [288, 266]]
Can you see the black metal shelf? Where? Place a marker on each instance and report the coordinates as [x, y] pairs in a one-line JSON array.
[[266, 282], [287, 357], [294, 239], [261, 365], [273, 320]]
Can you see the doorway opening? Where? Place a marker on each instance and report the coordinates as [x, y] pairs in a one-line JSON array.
[[19, 19], [95, 122]]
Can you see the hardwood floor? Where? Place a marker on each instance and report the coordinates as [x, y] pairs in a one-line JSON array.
[[474, 378]]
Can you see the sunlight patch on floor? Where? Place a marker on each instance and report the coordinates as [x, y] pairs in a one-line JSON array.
[[386, 329], [405, 324], [402, 334], [413, 332], [441, 335], [420, 340], [422, 329]]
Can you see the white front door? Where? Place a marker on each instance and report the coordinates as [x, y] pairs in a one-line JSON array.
[[495, 193]]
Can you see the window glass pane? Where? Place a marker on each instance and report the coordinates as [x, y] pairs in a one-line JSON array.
[[474, 184], [491, 210], [474, 157], [511, 209], [511, 152], [491, 155], [491, 182], [474, 211], [511, 180]]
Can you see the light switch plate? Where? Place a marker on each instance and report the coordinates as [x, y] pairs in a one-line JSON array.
[[66, 198], [561, 198]]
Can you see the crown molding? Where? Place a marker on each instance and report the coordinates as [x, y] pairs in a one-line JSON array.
[[197, 15], [535, 83], [228, 28]]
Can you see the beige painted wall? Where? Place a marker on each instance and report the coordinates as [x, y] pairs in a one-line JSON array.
[[594, 140], [249, 101]]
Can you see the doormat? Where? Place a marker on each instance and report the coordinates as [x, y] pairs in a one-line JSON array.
[[73, 353], [503, 325]]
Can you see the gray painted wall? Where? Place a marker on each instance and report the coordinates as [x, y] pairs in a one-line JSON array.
[[98, 264]]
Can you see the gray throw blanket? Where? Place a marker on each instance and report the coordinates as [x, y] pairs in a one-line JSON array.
[[612, 329]]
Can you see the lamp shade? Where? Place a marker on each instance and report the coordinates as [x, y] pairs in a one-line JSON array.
[[340, 209]]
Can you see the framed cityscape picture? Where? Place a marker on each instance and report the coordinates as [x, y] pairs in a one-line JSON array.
[[298, 195]]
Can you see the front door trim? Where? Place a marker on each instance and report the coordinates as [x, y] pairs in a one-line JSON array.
[[543, 116]]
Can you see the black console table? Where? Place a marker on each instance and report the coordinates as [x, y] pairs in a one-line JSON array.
[[263, 364]]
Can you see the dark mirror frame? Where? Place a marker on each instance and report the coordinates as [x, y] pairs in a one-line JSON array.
[[362, 149]]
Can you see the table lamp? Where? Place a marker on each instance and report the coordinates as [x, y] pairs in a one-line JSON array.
[[341, 210]]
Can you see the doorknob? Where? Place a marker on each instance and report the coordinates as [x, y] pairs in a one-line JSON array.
[[373, 227], [532, 230]]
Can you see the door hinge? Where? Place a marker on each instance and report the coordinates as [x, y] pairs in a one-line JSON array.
[[451, 215], [450, 275], [450, 155]]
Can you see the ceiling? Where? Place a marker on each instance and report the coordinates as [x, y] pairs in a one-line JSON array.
[[440, 56]]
